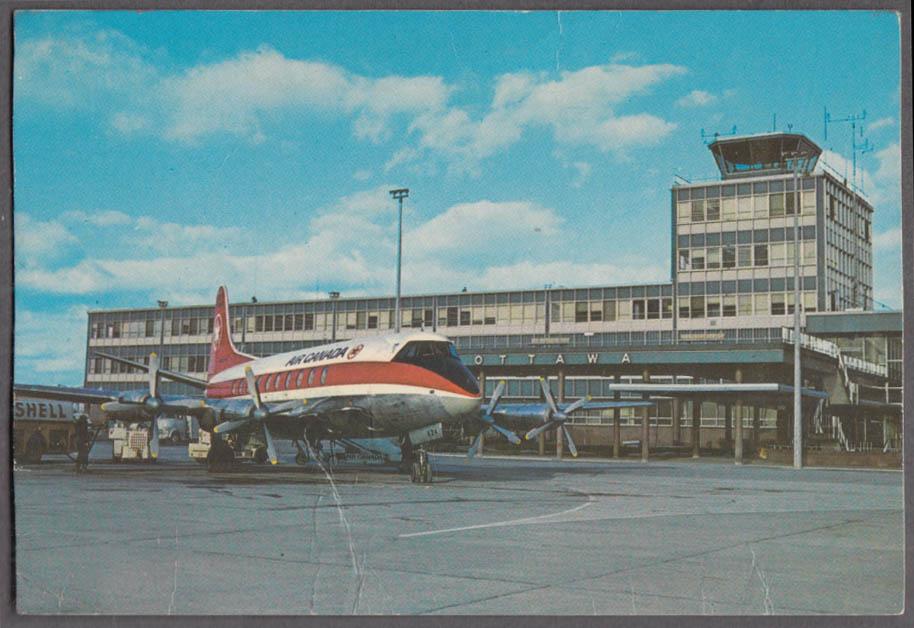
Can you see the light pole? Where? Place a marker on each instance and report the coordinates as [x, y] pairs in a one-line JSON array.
[[797, 374], [797, 157], [399, 195]]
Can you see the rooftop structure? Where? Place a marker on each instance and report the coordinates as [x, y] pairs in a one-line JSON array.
[[764, 154]]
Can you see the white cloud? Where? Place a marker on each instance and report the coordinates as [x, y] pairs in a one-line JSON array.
[[106, 218], [579, 108], [484, 229], [881, 124], [890, 239], [583, 169], [696, 98], [889, 170], [237, 95], [67, 71], [37, 350], [128, 123], [38, 241]]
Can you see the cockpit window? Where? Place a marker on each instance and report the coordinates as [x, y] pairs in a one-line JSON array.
[[441, 358]]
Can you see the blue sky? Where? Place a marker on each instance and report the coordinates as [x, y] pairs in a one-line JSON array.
[[160, 154]]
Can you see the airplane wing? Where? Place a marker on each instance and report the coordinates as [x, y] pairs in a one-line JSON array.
[[196, 382], [539, 417]]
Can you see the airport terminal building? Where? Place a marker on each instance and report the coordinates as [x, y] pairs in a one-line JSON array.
[[725, 316]]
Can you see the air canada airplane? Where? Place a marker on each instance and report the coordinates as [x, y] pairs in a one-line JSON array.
[[404, 385]]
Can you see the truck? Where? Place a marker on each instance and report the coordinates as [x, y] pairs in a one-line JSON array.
[[42, 427]]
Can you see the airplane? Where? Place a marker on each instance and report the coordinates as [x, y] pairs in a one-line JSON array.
[[404, 385]]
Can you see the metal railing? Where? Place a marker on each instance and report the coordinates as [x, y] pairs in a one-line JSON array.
[[830, 349]]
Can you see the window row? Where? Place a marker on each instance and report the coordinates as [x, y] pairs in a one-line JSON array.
[[765, 206], [744, 236], [597, 311], [182, 364], [150, 328], [287, 380], [775, 254], [773, 304], [742, 189]]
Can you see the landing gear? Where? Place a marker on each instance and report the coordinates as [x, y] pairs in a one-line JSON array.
[[221, 456], [421, 469], [301, 458]]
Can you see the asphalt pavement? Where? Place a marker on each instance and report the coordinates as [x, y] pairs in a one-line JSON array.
[[494, 536]]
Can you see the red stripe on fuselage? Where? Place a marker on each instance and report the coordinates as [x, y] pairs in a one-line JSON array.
[[342, 374]]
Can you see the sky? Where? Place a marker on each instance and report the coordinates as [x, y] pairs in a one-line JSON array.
[[160, 154]]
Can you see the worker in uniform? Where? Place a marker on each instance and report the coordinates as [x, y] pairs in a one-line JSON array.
[[82, 443]]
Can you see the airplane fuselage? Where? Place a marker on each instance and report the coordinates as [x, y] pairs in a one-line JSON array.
[[381, 385]]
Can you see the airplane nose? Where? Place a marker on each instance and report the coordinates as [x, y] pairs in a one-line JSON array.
[[457, 406]]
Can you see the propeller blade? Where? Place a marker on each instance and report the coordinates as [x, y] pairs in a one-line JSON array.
[[548, 394], [153, 375], [252, 386], [536, 431], [475, 447], [511, 436], [577, 404], [154, 443], [496, 396], [271, 449], [571, 447], [228, 426]]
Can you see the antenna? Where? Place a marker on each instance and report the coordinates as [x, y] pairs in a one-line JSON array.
[[716, 135], [862, 147]]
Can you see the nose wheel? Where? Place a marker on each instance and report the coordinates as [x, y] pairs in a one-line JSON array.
[[421, 470]]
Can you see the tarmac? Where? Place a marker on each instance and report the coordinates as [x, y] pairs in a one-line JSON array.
[[493, 536]]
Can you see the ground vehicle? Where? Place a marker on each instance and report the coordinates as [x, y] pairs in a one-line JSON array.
[[172, 430], [42, 427], [128, 442]]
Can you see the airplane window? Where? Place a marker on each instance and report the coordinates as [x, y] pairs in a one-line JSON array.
[[235, 392], [440, 358], [298, 379], [243, 387], [261, 384], [289, 380], [310, 378], [324, 375]]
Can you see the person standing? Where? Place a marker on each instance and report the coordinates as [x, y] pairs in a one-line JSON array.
[[82, 443]]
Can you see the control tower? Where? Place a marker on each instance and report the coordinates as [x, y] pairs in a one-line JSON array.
[[734, 243], [764, 154]]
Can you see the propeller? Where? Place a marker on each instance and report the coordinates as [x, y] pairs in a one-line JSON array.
[[487, 418], [259, 413], [555, 417]]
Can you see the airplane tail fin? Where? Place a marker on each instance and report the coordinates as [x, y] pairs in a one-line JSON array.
[[222, 351]]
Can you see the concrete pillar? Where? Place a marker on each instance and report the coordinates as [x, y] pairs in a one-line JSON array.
[[782, 427], [738, 417], [696, 427], [756, 427], [645, 419], [728, 422], [617, 422], [482, 387], [559, 449], [677, 418]]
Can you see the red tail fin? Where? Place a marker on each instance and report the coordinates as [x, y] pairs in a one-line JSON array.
[[222, 352]]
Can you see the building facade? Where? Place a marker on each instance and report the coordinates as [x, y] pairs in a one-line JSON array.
[[731, 294]]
